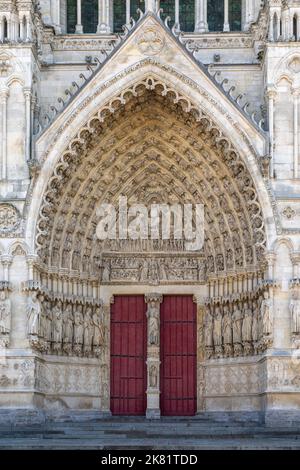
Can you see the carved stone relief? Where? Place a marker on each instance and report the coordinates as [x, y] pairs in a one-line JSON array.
[[239, 325], [10, 219]]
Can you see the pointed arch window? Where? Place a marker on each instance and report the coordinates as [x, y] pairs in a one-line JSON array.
[[235, 15], [134, 6], [89, 11], [295, 27], [215, 15], [82, 16], [218, 15], [185, 13], [71, 16], [119, 15]]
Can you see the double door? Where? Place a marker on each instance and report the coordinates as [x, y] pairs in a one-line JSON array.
[[177, 355]]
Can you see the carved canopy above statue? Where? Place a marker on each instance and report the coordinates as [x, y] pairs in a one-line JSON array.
[[149, 144]]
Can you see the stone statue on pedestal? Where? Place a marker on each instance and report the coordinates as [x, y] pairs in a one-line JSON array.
[[33, 314], [153, 323], [266, 314]]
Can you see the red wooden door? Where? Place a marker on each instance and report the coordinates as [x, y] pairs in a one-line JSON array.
[[128, 355], [178, 356]]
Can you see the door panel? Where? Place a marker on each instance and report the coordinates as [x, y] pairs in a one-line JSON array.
[[178, 356], [128, 355]]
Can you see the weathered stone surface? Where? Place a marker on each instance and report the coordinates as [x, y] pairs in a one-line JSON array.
[[157, 116]]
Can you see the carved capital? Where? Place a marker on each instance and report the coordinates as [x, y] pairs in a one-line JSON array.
[[153, 297], [271, 93]]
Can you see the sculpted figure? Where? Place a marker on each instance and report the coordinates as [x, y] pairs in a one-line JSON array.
[[48, 321], [247, 329], [98, 325], [153, 271], [217, 334], [247, 323], [237, 318], [47, 325], [227, 331], [266, 314], [106, 271], [153, 376], [33, 314], [153, 323], [42, 329], [5, 312], [88, 331], [68, 329], [255, 326], [208, 332], [78, 329], [295, 313], [57, 326]]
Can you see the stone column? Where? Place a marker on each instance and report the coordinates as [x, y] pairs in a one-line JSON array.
[[296, 94], [295, 259], [27, 94], [249, 14], [201, 16], [28, 29], [271, 93], [6, 261], [103, 17], [226, 27], [9, 29], [128, 12], [1, 29], [177, 19], [22, 29], [153, 355], [79, 28], [55, 14], [3, 101]]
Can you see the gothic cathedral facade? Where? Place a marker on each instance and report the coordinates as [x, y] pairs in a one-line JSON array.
[[169, 102]]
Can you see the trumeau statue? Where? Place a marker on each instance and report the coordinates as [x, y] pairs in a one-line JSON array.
[[153, 323], [33, 314], [266, 314], [153, 379], [5, 313], [295, 313]]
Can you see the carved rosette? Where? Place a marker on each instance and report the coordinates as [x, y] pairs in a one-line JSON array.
[[153, 302], [150, 42], [10, 220]]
